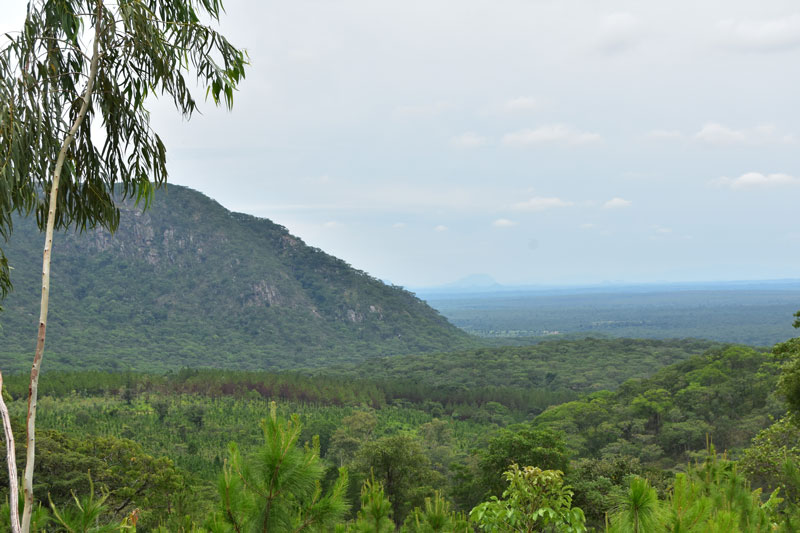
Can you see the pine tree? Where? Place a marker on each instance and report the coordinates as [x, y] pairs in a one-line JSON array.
[[435, 518], [639, 510], [376, 510], [278, 489]]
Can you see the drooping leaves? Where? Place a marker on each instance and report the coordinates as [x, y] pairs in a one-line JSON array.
[[146, 48]]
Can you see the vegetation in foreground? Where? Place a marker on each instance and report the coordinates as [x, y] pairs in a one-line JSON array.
[[381, 462]]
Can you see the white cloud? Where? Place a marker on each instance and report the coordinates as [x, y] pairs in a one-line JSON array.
[[616, 203], [757, 179], [619, 32], [715, 133], [588, 225], [761, 36], [661, 230], [399, 225], [521, 104], [541, 203], [468, 139], [503, 223], [332, 224], [768, 133], [440, 228], [553, 133]]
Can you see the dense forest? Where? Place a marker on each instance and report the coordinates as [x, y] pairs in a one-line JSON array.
[[159, 445], [581, 365]]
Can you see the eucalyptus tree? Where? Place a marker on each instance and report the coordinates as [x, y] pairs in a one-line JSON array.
[[75, 134]]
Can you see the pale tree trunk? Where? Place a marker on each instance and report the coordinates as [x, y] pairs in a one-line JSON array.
[[11, 457], [33, 389]]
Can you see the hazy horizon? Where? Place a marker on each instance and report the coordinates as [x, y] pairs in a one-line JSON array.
[[466, 283]]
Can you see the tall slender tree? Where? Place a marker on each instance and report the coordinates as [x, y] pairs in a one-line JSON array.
[[75, 135]]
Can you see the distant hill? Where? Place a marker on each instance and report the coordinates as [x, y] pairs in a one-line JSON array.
[[479, 282], [189, 283]]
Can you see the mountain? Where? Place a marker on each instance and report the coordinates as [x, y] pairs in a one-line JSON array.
[[472, 284], [189, 283]]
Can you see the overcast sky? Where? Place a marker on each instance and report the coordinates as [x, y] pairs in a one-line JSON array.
[[537, 141]]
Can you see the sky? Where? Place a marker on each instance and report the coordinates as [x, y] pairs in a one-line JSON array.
[[541, 142]]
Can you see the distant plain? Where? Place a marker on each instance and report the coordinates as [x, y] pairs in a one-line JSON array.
[[757, 313]]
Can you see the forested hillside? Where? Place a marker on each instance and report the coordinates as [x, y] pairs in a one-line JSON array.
[[188, 283]]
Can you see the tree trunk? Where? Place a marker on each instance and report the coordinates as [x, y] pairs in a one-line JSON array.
[[33, 389], [11, 457]]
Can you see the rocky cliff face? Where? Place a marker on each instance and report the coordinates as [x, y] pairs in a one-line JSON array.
[[190, 283]]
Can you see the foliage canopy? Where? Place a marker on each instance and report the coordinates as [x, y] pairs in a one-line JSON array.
[[62, 101]]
